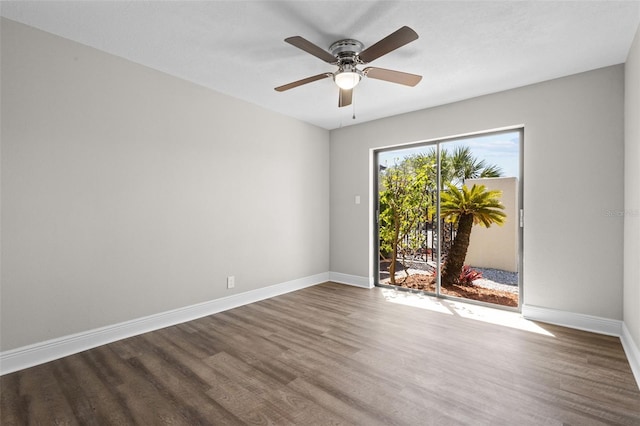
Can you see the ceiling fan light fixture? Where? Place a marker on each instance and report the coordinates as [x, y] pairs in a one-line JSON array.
[[347, 54], [347, 79]]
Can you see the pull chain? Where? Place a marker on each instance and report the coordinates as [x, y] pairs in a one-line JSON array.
[[353, 105]]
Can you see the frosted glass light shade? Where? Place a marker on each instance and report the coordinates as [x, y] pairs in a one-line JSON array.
[[347, 79]]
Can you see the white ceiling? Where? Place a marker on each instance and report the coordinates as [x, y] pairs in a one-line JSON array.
[[465, 49]]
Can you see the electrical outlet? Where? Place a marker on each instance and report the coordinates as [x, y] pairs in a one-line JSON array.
[[231, 282]]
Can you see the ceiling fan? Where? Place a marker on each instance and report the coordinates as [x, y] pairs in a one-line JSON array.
[[347, 54]]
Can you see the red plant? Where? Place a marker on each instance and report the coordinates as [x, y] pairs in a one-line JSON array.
[[468, 275]]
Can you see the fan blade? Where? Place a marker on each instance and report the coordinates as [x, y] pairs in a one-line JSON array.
[[303, 81], [345, 97], [391, 42], [392, 76], [311, 48]]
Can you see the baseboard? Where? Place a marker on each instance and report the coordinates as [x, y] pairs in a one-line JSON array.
[[353, 280], [39, 353], [631, 349], [573, 320]]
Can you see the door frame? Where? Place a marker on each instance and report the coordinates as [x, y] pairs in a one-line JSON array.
[[436, 143]]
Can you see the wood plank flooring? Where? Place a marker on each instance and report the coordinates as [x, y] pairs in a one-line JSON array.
[[329, 355]]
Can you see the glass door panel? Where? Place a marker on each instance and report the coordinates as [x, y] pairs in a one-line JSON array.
[[407, 193], [479, 218]]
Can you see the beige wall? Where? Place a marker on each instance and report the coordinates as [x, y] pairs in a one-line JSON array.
[[572, 175], [632, 193], [127, 192], [497, 246]]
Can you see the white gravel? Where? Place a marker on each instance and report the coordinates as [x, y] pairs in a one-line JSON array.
[[497, 279]]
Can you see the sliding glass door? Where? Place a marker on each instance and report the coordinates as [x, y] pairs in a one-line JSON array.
[[448, 217]]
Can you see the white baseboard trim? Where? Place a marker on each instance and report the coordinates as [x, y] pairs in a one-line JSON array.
[[39, 353], [573, 320], [354, 280], [632, 350]]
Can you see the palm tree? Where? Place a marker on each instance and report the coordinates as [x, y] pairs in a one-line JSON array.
[[462, 165], [467, 207], [456, 166]]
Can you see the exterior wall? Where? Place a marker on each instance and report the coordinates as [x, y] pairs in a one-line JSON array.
[[497, 247]]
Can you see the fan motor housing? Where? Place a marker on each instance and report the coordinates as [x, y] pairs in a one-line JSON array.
[[346, 49]]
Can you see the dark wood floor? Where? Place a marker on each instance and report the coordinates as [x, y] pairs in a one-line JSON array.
[[333, 354]]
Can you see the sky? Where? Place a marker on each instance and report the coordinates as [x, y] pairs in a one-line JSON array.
[[501, 149]]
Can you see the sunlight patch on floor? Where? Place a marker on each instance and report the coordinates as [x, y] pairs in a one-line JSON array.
[[416, 300], [464, 310]]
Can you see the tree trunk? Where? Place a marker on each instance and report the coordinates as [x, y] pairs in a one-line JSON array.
[[394, 251], [458, 252]]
